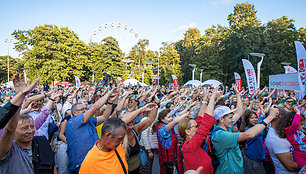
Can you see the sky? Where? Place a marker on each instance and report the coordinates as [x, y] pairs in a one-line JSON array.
[[156, 20]]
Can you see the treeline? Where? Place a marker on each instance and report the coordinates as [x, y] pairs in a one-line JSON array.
[[56, 54]]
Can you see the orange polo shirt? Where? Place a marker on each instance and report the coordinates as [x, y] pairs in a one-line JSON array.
[[97, 161]]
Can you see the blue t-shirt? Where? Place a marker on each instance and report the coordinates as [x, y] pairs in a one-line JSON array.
[[81, 137], [255, 147]]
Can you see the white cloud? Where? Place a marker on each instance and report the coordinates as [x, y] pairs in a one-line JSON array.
[[221, 2], [226, 1], [184, 28]]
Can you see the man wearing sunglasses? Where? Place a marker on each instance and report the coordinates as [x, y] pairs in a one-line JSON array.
[[80, 130]]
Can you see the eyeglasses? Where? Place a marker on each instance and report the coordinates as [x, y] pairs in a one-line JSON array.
[[196, 126], [83, 109]]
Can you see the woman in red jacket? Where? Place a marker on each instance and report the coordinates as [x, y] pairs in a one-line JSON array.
[[169, 152], [195, 132]]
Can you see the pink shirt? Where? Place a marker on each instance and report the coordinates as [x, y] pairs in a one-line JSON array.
[[298, 140]]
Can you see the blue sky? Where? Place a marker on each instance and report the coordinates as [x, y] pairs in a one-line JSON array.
[[155, 20]]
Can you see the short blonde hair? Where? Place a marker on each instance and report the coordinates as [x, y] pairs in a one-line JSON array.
[[182, 126]]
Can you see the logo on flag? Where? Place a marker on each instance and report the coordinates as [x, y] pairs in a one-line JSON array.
[[77, 81]]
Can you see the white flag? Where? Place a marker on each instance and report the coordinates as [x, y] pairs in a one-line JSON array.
[[301, 59], [289, 69], [250, 75], [77, 81]]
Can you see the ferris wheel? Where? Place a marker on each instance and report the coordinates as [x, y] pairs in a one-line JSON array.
[[124, 34]]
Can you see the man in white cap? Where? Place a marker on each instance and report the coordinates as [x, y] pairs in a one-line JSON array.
[[226, 142]]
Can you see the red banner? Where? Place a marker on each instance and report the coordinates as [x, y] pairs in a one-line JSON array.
[[175, 80], [238, 81]]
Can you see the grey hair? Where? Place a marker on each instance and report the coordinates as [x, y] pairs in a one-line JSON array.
[[24, 117], [74, 108], [113, 126]]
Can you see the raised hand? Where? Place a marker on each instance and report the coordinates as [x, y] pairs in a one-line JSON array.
[[113, 91], [149, 107], [296, 110], [180, 117], [274, 112], [21, 86], [54, 94]]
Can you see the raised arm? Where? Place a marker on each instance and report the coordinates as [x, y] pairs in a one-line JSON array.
[[239, 112], [204, 103], [21, 90], [88, 114], [147, 122], [175, 121], [112, 101], [9, 131], [272, 92], [255, 130], [127, 118]]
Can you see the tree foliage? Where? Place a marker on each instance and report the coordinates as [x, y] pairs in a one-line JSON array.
[[56, 53], [13, 65]]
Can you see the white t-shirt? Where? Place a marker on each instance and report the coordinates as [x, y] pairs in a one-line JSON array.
[[277, 145]]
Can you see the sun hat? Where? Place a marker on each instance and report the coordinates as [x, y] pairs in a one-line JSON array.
[[219, 112]]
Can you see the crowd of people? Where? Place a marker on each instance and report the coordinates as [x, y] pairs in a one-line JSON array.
[[149, 129]]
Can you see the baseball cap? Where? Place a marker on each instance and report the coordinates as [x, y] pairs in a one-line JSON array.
[[219, 112]]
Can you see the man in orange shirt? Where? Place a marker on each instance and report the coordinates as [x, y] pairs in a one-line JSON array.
[[107, 155]]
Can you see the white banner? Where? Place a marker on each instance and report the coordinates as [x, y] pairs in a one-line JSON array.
[[289, 69], [301, 59], [77, 81], [250, 75]]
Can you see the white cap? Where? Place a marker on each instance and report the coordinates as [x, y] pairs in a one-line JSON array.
[[219, 112]]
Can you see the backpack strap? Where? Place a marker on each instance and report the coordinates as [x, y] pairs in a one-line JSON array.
[[121, 162], [228, 152], [134, 132]]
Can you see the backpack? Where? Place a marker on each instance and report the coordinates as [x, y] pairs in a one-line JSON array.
[[210, 150]]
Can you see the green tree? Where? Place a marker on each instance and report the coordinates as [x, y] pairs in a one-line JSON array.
[[112, 58], [14, 67], [169, 63], [302, 35], [186, 51], [52, 53], [281, 34], [246, 36], [139, 55], [208, 53]]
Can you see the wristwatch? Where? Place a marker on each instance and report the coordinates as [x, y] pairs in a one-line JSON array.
[[264, 123]]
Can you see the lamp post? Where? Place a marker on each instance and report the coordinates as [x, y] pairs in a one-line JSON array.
[[143, 70], [150, 63], [24, 72], [201, 70], [194, 67], [261, 55], [8, 41], [93, 76], [127, 63], [285, 63], [158, 71]]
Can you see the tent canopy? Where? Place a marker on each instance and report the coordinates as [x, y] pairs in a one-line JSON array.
[[133, 82], [213, 83], [195, 83]]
